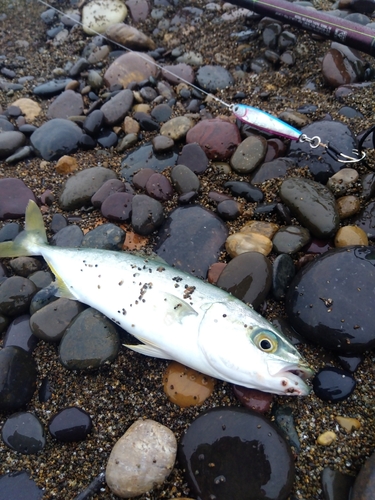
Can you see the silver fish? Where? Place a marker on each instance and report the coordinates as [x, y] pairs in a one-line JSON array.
[[174, 314]]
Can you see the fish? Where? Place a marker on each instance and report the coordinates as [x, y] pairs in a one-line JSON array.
[[175, 315]]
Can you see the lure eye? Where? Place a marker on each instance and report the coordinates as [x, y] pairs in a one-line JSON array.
[[266, 342]]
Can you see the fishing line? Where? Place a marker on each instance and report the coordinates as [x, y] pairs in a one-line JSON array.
[[252, 116]]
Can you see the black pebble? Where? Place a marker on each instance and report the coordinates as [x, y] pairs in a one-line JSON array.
[[333, 384]]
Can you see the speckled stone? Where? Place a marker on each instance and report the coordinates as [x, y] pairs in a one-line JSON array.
[[142, 458], [111, 11], [347, 206], [184, 179], [249, 154], [177, 128], [130, 68], [24, 266]]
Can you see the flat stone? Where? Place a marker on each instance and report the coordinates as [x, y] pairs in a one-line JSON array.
[[67, 104], [56, 138]]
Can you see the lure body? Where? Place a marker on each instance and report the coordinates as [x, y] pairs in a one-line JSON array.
[[264, 121], [175, 315]]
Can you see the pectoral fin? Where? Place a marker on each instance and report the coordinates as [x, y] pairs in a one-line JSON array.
[[148, 350]]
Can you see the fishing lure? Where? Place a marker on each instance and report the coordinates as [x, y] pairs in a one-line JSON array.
[[252, 116]]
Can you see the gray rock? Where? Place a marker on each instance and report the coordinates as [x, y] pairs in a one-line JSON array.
[[116, 108]]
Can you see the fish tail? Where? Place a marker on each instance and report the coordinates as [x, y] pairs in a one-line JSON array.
[[31, 240]]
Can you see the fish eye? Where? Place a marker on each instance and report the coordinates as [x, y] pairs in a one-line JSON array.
[[266, 342]]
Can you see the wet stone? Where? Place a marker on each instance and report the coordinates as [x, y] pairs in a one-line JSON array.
[[283, 271], [129, 68], [184, 179], [19, 334], [69, 103], [147, 214], [205, 233], [337, 69], [10, 142], [90, 341], [263, 466], [350, 235], [45, 390], [186, 387], [320, 164], [18, 375], [333, 384], [145, 157], [336, 485], [105, 237], [218, 138], [177, 128], [331, 308], [159, 187], [79, 188], [68, 237], [212, 78], [245, 190], [14, 197], [146, 122], [70, 425], [41, 279], [24, 266], [23, 432], [141, 177], [364, 484], [312, 204], [15, 295], [193, 157], [347, 206], [365, 220], [56, 138], [277, 168], [240, 243], [161, 143], [252, 399], [285, 421], [16, 485], [290, 239], [50, 322], [142, 458], [229, 209], [248, 277], [110, 187], [249, 154], [43, 297]]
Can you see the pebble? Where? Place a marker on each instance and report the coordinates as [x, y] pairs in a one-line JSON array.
[[56, 138], [252, 399], [218, 138], [312, 204], [268, 229], [51, 88], [249, 154], [229, 209], [193, 157], [173, 73], [68, 237], [290, 239], [364, 484], [111, 11], [14, 197], [337, 69], [16, 485], [349, 424], [213, 78], [79, 189], [129, 68], [159, 187], [115, 109], [333, 384], [15, 295], [24, 266], [68, 103], [70, 425], [186, 387], [131, 37], [284, 419], [23, 432], [50, 322], [343, 180], [30, 109], [10, 142], [184, 179], [350, 235], [248, 277], [161, 144], [105, 237], [207, 449], [18, 374], [336, 485], [283, 271], [19, 334], [177, 128], [89, 342], [205, 232], [327, 438], [365, 220], [347, 206], [93, 122], [142, 458], [240, 243], [145, 157], [147, 214], [331, 308], [245, 190], [66, 165], [275, 169]]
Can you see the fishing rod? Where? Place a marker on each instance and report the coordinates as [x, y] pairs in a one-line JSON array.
[[254, 117], [346, 32]]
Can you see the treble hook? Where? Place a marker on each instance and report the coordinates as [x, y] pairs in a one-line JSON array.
[[333, 152]]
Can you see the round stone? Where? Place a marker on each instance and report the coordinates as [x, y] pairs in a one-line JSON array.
[[105, 237], [10, 141], [350, 235], [142, 458], [130, 68], [218, 138], [184, 179], [19, 334], [23, 432], [147, 214], [239, 243], [70, 425], [252, 399], [236, 453], [99, 14], [17, 378], [333, 384], [176, 128], [333, 308], [15, 295], [212, 78], [193, 157], [290, 239], [186, 387], [249, 154], [348, 206], [56, 138]]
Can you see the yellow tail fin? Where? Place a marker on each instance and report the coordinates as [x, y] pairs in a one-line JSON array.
[[31, 240]]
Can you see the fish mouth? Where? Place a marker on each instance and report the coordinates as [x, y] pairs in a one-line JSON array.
[[296, 376]]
